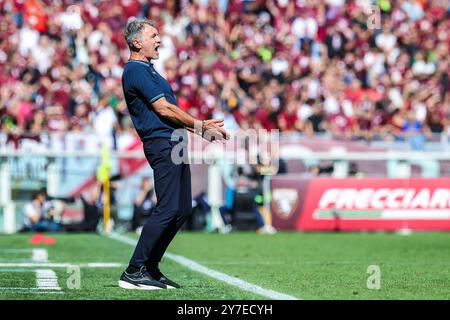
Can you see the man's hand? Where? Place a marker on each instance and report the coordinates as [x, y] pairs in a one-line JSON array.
[[212, 130]]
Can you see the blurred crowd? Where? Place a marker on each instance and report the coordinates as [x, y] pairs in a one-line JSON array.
[[356, 69]]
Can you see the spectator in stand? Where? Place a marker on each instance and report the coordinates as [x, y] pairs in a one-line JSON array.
[[297, 66]]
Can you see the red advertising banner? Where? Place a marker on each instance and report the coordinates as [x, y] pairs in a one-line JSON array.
[[360, 204]]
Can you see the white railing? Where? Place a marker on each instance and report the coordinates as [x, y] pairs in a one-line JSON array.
[[399, 166]]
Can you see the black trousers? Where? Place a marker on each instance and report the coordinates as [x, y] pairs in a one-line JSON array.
[[172, 183]]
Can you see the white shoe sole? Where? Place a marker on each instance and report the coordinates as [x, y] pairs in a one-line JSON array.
[[127, 285]]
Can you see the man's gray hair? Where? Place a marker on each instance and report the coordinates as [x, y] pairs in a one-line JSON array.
[[133, 29]]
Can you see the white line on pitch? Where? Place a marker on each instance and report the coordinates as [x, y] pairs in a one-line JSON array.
[[246, 286], [11, 290], [61, 265], [35, 292], [39, 255], [46, 279], [18, 288]]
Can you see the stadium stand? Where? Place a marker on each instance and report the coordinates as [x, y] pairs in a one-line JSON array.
[[304, 66]]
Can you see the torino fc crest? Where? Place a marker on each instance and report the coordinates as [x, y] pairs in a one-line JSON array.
[[285, 202]]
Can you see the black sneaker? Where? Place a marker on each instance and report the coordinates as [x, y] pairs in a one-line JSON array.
[[140, 280], [156, 274]]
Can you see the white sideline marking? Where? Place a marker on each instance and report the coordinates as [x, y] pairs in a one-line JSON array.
[[11, 290], [36, 292], [62, 265], [46, 279], [15, 270], [190, 264], [18, 288], [39, 255]]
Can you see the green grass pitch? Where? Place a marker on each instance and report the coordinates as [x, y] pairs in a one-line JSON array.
[[303, 265]]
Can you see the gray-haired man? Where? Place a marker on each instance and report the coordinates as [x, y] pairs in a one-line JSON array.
[[156, 115]]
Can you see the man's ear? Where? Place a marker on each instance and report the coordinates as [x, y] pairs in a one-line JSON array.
[[137, 44]]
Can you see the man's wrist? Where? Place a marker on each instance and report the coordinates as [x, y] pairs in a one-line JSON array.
[[199, 127]]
